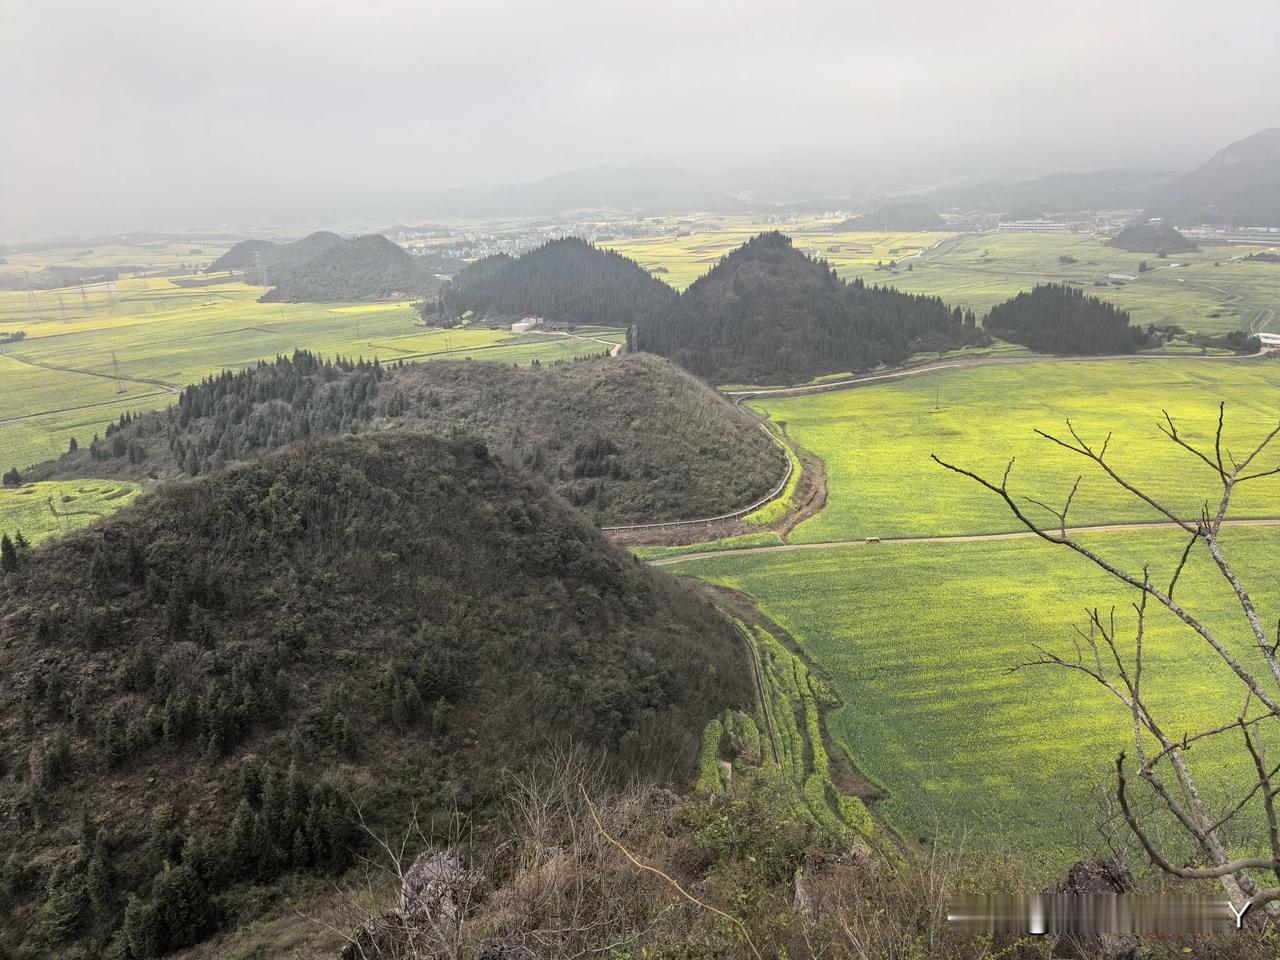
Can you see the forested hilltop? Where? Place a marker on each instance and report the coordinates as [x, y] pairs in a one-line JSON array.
[[199, 689], [1152, 236], [630, 439], [323, 267], [1055, 318], [564, 281], [769, 314]]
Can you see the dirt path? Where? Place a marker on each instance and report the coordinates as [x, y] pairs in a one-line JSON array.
[[165, 389], [955, 538], [614, 348]]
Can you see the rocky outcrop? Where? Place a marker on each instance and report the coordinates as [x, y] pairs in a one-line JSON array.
[[434, 895], [1095, 877]]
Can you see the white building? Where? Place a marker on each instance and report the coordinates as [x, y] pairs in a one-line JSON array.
[[528, 323]]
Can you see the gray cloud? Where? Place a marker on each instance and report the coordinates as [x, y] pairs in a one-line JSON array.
[[169, 112]]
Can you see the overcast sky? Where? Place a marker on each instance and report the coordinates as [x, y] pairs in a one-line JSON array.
[[168, 113]]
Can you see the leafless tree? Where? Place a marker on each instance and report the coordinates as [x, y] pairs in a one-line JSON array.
[[1223, 836]]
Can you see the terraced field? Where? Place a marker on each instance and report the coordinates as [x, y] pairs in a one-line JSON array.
[[876, 441], [919, 640]]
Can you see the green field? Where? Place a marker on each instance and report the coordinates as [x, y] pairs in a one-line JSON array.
[[978, 272], [876, 441], [42, 510], [87, 357], [679, 260], [918, 641], [154, 255], [1187, 290]]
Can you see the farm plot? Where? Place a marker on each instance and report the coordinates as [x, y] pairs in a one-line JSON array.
[[679, 260], [918, 642], [1214, 290], [42, 510], [876, 442]]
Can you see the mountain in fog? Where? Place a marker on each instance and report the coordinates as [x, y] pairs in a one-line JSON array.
[[1240, 185]]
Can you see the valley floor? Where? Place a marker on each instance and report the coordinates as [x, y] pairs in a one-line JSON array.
[[921, 634]]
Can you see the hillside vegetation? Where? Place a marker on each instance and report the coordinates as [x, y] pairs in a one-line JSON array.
[[1152, 236], [630, 439], [769, 314], [1056, 318], [199, 688], [906, 215], [564, 281], [323, 267]]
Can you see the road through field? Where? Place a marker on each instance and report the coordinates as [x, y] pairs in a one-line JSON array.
[[963, 364], [164, 388], [959, 538]]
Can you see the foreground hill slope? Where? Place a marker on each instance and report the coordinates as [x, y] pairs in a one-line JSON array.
[[218, 672], [565, 281], [323, 267], [1239, 185], [631, 439], [769, 314]]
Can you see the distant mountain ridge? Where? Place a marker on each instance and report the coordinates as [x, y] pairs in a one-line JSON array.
[[324, 267], [1239, 186], [900, 215], [1057, 192]]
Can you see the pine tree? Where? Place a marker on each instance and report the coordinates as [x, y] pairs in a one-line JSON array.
[[98, 880], [142, 931], [243, 842], [8, 555]]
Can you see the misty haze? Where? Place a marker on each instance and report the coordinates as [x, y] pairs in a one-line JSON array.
[[498, 481]]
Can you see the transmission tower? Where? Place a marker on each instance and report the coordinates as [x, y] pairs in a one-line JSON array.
[[115, 366]]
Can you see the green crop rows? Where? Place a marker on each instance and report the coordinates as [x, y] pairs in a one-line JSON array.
[[919, 640], [876, 442]]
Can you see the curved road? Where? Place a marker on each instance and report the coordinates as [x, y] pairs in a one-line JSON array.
[[955, 538]]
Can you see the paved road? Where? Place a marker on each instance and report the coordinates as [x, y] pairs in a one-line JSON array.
[[958, 538], [966, 363]]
